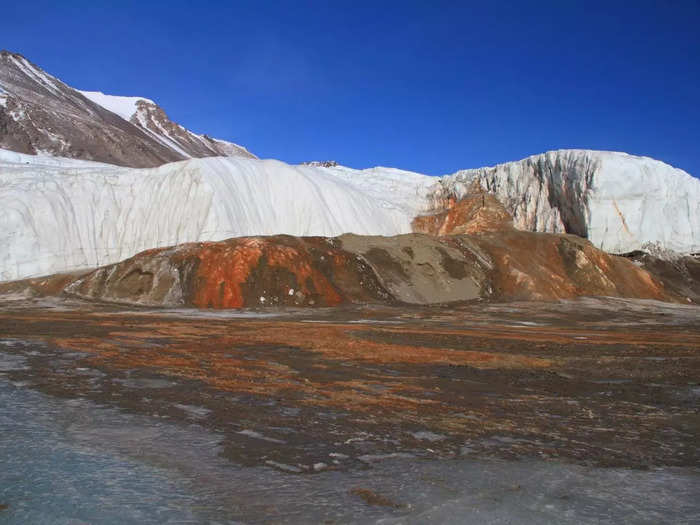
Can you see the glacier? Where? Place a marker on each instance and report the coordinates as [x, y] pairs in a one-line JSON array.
[[59, 215], [619, 202]]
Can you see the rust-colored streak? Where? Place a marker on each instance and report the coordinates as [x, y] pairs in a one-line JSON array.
[[290, 359], [477, 212], [225, 268], [221, 271]]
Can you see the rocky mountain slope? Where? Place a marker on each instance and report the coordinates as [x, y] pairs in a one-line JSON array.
[[39, 114], [149, 117], [61, 215]]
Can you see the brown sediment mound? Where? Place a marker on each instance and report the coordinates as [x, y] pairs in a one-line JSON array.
[[539, 266], [247, 271], [316, 271], [48, 286], [477, 212], [680, 274], [423, 269]]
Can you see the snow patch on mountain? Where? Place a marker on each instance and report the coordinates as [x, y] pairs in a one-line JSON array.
[[125, 107]]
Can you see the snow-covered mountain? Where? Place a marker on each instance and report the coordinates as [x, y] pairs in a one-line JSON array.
[[64, 214], [39, 114], [149, 117]]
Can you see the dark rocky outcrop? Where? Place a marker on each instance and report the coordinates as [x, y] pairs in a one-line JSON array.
[[679, 274], [41, 114]]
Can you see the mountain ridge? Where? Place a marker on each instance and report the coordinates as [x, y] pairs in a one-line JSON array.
[[40, 114]]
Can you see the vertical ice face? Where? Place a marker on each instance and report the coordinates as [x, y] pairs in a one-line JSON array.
[[619, 202]]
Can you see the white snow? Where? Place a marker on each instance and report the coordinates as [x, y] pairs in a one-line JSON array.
[[61, 214], [125, 107]]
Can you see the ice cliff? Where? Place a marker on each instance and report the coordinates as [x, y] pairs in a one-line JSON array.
[[60, 214], [619, 202]]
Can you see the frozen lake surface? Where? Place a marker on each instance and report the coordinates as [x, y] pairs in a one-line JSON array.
[[71, 461]]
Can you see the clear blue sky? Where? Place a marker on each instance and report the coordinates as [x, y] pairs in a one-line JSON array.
[[426, 86]]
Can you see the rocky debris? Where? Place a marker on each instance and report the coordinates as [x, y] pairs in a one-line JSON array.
[[321, 163], [679, 274], [39, 114], [538, 266], [421, 269], [52, 285], [315, 271], [478, 211]]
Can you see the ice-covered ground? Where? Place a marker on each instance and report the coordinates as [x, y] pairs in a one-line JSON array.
[[72, 461], [60, 214]]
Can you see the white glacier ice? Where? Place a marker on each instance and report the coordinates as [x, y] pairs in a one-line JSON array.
[[60, 214], [619, 202]]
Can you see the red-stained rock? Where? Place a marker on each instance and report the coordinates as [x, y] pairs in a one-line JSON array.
[[477, 212], [315, 271], [240, 272], [539, 266]]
